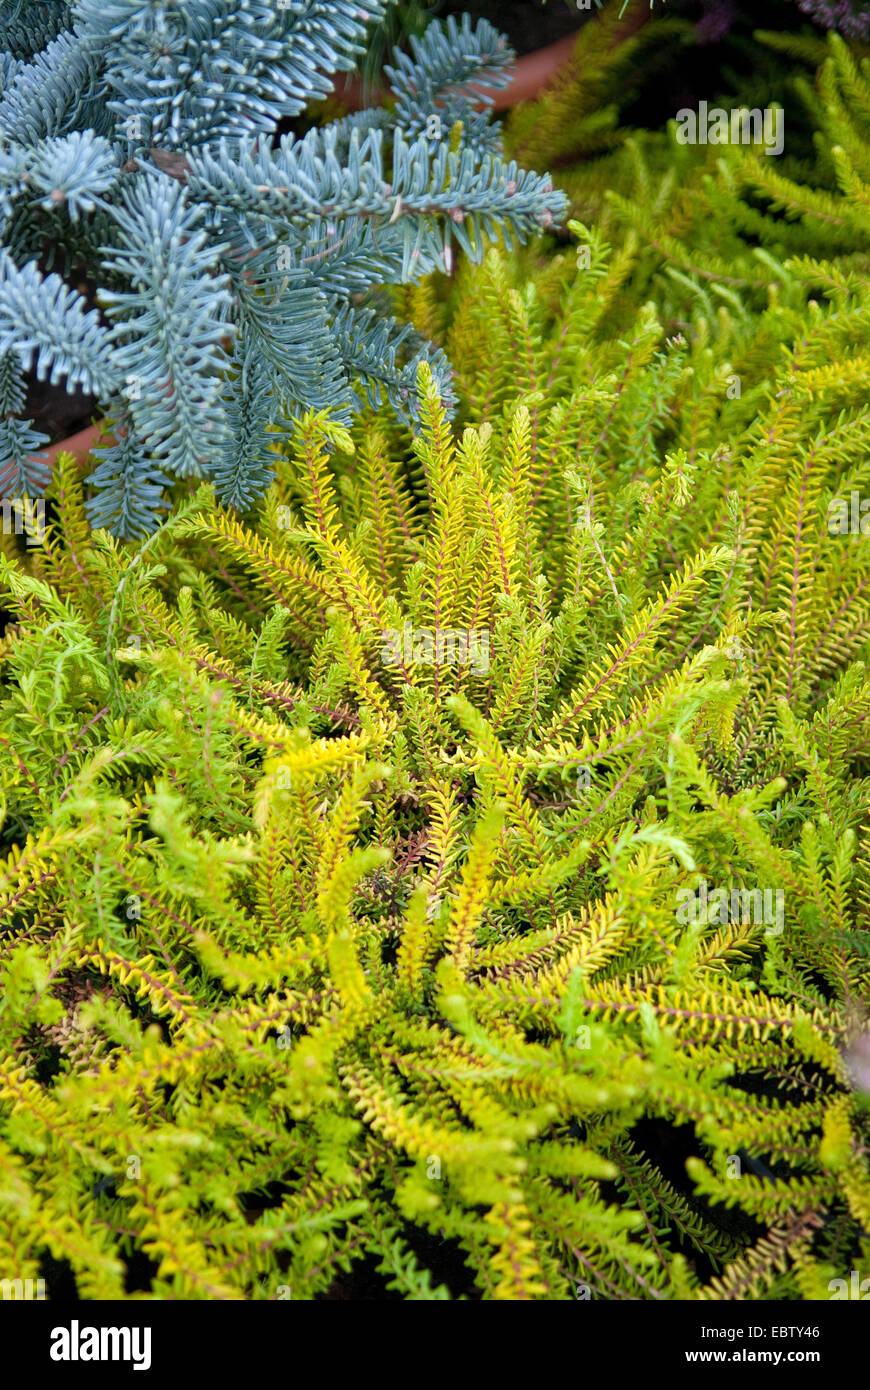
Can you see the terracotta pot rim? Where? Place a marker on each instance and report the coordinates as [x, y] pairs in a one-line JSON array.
[[80, 445], [533, 72]]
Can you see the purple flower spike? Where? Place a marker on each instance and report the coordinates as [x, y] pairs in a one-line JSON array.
[[718, 17], [850, 17]]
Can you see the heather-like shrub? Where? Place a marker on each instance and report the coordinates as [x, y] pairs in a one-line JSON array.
[[451, 878], [459, 875]]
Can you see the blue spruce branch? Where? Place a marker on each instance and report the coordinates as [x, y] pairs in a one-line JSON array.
[[142, 139]]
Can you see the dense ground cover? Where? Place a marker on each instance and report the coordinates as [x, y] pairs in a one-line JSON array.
[[451, 878]]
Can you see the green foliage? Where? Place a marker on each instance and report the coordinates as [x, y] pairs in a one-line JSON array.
[[578, 114], [407, 17], [725, 217], [320, 955]]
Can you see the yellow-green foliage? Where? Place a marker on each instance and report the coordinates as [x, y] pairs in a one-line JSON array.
[[318, 961], [713, 227], [324, 964]]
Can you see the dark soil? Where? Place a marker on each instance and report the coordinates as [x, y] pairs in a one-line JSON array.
[[529, 24], [57, 412], [54, 410]]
